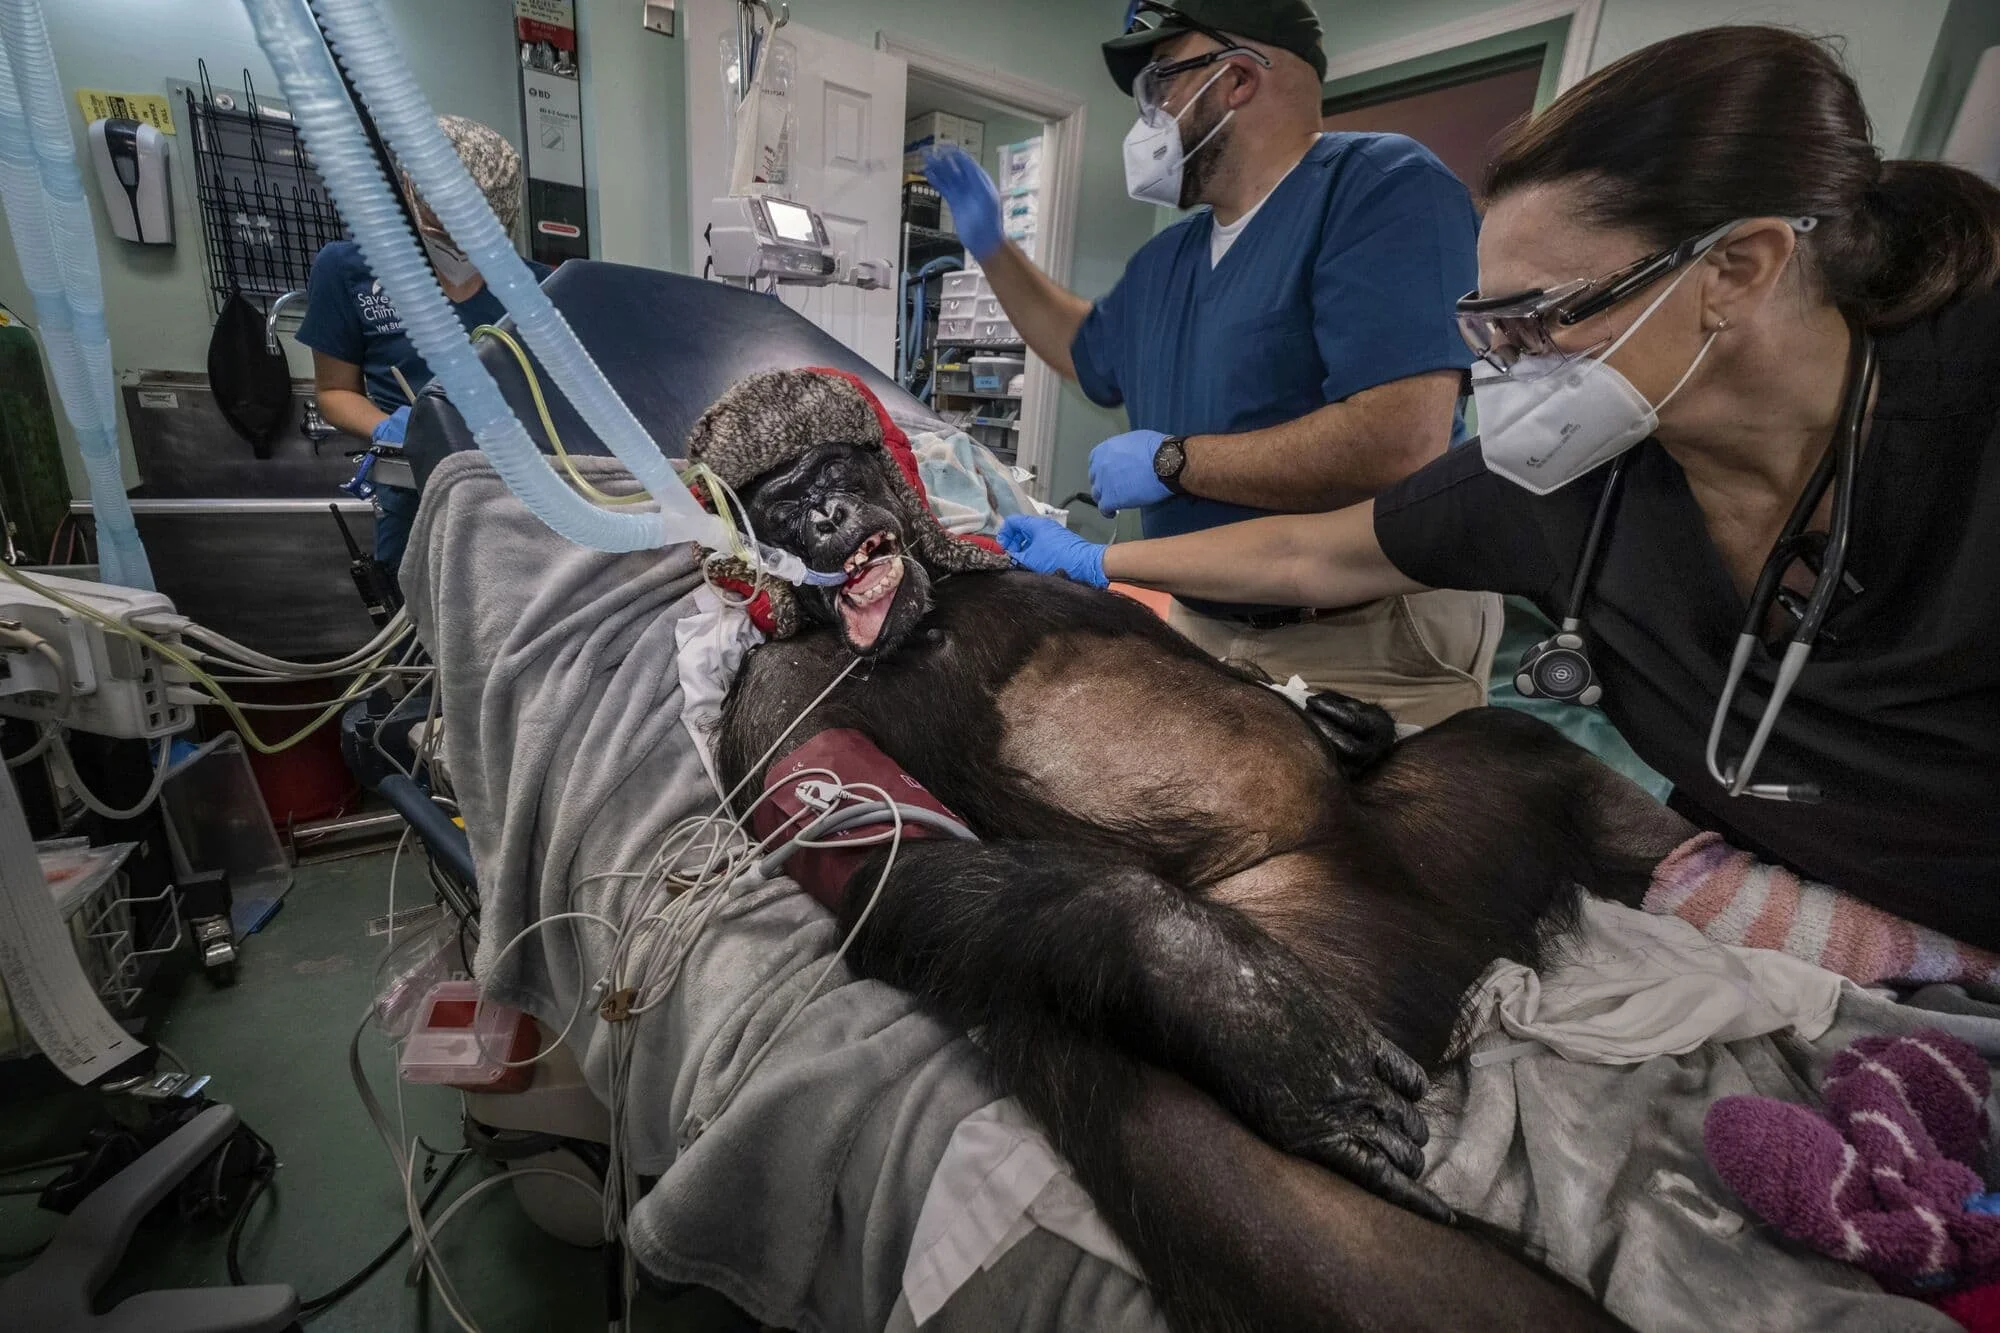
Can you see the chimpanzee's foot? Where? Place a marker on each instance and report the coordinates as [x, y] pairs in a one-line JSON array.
[[1334, 1091]]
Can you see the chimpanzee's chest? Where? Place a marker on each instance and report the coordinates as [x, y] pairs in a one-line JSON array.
[[1038, 708]]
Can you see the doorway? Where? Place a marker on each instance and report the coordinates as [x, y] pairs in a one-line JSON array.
[[1031, 142], [955, 347]]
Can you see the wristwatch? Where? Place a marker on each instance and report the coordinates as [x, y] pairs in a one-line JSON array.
[[1168, 460]]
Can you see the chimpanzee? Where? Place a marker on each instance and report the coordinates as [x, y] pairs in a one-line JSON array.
[[1179, 870]]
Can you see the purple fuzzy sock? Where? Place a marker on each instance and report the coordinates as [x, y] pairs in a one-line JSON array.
[[1884, 1185]]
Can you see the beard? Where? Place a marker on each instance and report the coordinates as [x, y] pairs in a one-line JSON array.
[[1201, 166]]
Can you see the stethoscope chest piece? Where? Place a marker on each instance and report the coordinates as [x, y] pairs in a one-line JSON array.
[[1559, 668]]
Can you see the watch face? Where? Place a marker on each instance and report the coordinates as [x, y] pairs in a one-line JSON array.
[[1169, 460]]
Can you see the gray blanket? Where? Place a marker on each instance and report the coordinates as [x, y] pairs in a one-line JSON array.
[[562, 708], [562, 732]]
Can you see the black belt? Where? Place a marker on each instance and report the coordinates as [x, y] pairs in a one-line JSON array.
[[1278, 619]]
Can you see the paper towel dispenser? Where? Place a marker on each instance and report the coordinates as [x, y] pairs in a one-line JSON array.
[[133, 177]]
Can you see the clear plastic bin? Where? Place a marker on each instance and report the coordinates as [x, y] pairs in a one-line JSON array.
[[968, 282], [994, 331], [959, 307], [957, 330], [216, 820], [992, 374]]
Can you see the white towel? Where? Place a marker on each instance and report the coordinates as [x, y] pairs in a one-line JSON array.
[[999, 1179], [1630, 986]]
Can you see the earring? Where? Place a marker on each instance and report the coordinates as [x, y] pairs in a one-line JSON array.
[[1721, 324]]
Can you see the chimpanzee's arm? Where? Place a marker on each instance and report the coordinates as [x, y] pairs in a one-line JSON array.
[[1082, 944]]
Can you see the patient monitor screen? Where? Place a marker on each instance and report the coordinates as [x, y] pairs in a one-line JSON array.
[[791, 222]]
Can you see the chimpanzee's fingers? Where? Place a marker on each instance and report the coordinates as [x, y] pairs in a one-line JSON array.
[[1366, 1167], [1400, 1072], [1361, 1128], [1397, 1146], [1406, 1120]]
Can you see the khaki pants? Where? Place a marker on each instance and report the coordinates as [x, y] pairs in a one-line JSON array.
[[1423, 657]]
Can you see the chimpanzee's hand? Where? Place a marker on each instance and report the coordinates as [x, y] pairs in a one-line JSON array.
[[1359, 733]]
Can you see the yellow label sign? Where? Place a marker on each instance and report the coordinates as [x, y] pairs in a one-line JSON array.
[[152, 108]]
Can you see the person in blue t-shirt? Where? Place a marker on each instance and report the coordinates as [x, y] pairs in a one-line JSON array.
[[357, 340], [1290, 346]]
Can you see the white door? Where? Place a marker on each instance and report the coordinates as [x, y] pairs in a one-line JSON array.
[[847, 162]]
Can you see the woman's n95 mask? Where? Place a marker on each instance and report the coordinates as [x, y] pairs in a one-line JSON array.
[[1154, 161], [1550, 419], [453, 268]]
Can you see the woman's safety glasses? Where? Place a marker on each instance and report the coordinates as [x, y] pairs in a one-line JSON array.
[[1151, 85], [1501, 330]]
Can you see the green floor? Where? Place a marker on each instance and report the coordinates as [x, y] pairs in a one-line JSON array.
[[276, 1044]]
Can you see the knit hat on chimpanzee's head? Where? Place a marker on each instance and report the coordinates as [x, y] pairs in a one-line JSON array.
[[776, 417]]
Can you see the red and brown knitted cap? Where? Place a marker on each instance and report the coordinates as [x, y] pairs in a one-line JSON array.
[[772, 419]]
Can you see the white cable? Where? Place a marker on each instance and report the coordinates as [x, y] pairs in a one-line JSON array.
[[49, 732], [685, 884], [385, 639], [268, 678], [59, 751], [511, 1174]]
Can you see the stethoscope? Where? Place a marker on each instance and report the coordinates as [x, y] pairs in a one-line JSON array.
[[1560, 668]]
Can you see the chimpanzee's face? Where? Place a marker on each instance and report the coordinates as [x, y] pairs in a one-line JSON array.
[[835, 509]]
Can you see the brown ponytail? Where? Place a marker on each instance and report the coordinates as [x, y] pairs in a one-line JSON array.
[[1724, 123]]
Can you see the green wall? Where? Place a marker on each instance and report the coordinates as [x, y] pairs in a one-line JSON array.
[[634, 114], [1970, 26]]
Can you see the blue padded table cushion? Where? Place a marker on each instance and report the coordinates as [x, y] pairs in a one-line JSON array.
[[670, 344]]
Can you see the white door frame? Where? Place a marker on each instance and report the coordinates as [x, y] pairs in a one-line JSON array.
[[1062, 176], [1577, 46]]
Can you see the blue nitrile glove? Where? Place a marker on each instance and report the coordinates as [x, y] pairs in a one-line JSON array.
[[1121, 472], [1047, 547], [389, 430], [975, 203]]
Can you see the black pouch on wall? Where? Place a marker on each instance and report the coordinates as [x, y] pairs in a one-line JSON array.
[[252, 384]]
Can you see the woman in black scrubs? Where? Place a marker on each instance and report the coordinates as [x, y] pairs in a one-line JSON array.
[[1710, 320]]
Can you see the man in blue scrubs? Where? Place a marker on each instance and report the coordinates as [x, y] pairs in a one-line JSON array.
[[364, 366], [1291, 346]]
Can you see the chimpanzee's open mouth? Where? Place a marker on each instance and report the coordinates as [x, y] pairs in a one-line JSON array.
[[874, 573]]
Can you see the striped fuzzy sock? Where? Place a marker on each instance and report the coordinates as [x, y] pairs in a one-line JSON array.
[[1733, 898], [1883, 1179]]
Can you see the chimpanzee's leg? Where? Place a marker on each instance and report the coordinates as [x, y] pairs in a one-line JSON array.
[[1238, 1237], [1075, 943], [1491, 778]]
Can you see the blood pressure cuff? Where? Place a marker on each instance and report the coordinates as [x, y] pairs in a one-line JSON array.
[[800, 788]]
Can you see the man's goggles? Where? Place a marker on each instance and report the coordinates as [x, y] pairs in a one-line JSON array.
[[1150, 86], [1501, 330]]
